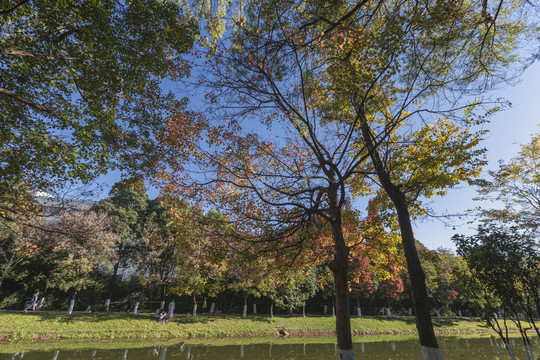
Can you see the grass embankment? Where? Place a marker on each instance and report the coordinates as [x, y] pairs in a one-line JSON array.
[[55, 326]]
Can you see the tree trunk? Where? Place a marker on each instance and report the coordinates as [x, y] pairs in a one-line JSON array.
[[428, 341], [112, 284], [358, 308], [194, 298], [303, 310], [272, 309], [339, 267], [136, 308], [212, 307], [254, 308], [164, 292], [244, 313], [72, 303]]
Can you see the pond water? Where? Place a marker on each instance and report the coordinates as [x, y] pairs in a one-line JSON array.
[[311, 348]]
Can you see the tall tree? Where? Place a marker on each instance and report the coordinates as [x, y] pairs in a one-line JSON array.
[[126, 207], [341, 91], [80, 85], [83, 240]]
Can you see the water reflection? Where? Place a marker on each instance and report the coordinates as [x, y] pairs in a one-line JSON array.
[[452, 349]]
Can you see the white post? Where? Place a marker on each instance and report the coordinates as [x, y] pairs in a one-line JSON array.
[[135, 308], [71, 305], [212, 308], [107, 304]]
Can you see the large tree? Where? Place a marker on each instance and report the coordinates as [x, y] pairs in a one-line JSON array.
[[80, 85], [126, 207], [82, 241], [311, 97]]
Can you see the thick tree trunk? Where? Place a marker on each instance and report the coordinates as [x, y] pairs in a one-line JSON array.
[[339, 267], [428, 341]]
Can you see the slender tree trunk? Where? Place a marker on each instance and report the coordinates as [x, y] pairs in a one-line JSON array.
[[194, 298], [339, 267], [244, 312], [426, 334], [164, 292], [358, 308], [112, 284], [272, 309], [72, 302]]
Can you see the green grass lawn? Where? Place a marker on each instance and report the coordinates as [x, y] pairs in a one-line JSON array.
[[15, 326]]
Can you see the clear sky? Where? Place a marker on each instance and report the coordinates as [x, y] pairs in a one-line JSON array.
[[508, 129]]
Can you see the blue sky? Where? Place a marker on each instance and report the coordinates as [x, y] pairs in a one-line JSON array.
[[508, 130]]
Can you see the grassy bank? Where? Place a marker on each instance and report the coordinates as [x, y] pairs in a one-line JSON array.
[[56, 326]]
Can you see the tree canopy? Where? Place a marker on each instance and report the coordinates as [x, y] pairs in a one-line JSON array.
[[80, 88]]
